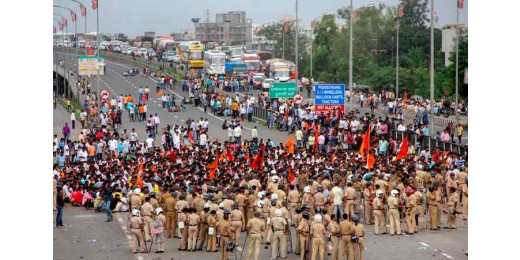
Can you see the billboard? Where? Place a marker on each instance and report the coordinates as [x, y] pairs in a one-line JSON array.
[[87, 65], [282, 90], [328, 97]]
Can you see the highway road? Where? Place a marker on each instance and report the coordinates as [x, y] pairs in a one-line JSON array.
[[117, 84]]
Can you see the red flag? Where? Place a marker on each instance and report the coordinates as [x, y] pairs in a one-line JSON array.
[[258, 162], [73, 15], [314, 23], [94, 4], [286, 27], [290, 145], [83, 10], [54, 29], [61, 26], [316, 135], [403, 151], [401, 10], [353, 16], [291, 175], [460, 4], [64, 22], [213, 167], [255, 32], [365, 145], [173, 156], [139, 181]]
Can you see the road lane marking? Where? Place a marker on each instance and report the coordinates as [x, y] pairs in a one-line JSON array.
[[424, 244], [446, 255]]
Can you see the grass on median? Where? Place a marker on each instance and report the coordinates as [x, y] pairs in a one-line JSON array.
[[76, 106]]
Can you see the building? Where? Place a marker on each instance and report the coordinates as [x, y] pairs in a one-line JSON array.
[[149, 34], [231, 28], [121, 37], [260, 43], [449, 38]]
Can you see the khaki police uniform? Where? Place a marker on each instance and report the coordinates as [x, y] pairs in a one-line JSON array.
[[318, 240], [255, 227], [279, 225], [193, 228]]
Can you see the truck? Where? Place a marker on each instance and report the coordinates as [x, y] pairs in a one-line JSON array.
[[278, 70], [166, 45], [235, 68], [214, 62], [252, 62], [236, 52]]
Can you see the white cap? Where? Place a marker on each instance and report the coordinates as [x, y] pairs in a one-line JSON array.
[[307, 189], [273, 171], [278, 213], [275, 178], [137, 191], [221, 205], [274, 196], [158, 210], [317, 218]]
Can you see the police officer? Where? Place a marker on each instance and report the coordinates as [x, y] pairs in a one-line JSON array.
[[359, 232], [393, 213], [451, 208], [431, 197], [183, 225], [212, 232], [335, 235], [169, 205], [380, 220], [303, 231], [193, 229], [237, 218], [345, 229], [318, 235], [159, 216], [136, 228], [204, 225], [226, 234], [147, 211], [296, 221], [279, 227], [410, 212], [254, 228]]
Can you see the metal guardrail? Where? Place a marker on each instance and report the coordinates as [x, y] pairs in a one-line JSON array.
[[260, 113], [430, 142]]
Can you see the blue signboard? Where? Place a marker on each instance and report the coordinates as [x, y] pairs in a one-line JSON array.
[[329, 96]]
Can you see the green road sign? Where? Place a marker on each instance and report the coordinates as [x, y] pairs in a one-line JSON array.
[[283, 90]]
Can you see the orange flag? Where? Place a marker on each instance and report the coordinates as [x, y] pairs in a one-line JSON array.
[[160, 93], [290, 145], [365, 145], [403, 151], [316, 135], [139, 181], [213, 167], [291, 175], [371, 161]]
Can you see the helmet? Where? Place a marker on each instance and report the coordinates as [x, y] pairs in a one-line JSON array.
[[355, 217], [409, 191], [273, 172], [235, 206], [221, 205], [257, 214], [260, 203], [367, 177], [278, 213], [298, 210], [306, 215], [261, 194], [226, 212], [319, 188], [317, 209], [273, 203], [207, 205], [137, 191], [152, 194], [431, 188], [307, 189], [317, 218], [274, 196], [379, 193], [394, 193], [306, 207], [136, 212], [158, 210], [206, 196], [275, 178], [230, 246]]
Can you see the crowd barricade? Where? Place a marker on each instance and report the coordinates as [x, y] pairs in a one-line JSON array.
[[432, 143]]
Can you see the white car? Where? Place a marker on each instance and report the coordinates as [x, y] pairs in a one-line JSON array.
[[176, 59], [168, 56], [130, 50], [151, 52], [267, 83]]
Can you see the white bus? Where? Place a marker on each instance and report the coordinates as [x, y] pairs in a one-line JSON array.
[[214, 62]]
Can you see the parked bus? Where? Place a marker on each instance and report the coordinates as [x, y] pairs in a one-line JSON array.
[[252, 62], [214, 62]]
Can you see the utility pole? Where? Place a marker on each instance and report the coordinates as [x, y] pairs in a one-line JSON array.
[[457, 64], [296, 46], [350, 58], [432, 72]]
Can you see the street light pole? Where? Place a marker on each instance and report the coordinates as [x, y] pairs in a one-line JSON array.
[[457, 68], [296, 47], [75, 26], [432, 72], [397, 63], [350, 58], [83, 10]]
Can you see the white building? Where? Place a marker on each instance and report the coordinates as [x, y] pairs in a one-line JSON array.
[[449, 34]]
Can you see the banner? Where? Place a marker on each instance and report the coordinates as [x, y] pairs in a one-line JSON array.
[[83, 10], [286, 27], [282, 90], [87, 65], [401, 10], [329, 96], [460, 4], [94, 4], [54, 29], [73, 15]]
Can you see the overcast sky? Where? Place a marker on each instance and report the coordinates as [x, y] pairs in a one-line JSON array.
[[134, 17]]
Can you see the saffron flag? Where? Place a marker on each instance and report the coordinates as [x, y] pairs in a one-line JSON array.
[[94, 4], [139, 181], [229, 154], [316, 135], [365, 145], [213, 167], [258, 162], [291, 176], [290, 145], [371, 161], [403, 150]]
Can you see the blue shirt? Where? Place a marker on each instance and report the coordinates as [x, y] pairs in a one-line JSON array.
[[425, 131]]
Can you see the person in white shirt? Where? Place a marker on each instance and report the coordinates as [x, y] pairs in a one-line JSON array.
[[401, 127], [157, 122], [203, 138], [122, 205], [254, 135], [354, 125], [149, 142], [237, 132], [205, 124], [230, 133], [338, 200]]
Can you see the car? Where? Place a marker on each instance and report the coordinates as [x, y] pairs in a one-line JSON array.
[[176, 59], [143, 51], [151, 53], [267, 83], [130, 72], [130, 50], [257, 80], [168, 56]]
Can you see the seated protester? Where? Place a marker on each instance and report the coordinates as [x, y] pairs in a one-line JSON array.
[[122, 204], [88, 201]]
